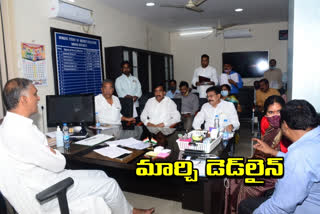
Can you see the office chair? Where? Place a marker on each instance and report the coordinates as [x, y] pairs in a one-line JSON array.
[[59, 189], [202, 101], [177, 101], [127, 111]]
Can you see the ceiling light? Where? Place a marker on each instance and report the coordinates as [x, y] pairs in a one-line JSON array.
[[150, 4], [71, 1], [191, 33], [238, 10]]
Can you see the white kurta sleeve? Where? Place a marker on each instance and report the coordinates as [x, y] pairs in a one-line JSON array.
[[195, 78], [233, 116], [138, 90], [145, 113], [119, 89], [214, 77], [175, 116], [199, 119]]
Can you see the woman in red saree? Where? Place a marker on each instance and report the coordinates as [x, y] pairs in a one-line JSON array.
[[236, 191]]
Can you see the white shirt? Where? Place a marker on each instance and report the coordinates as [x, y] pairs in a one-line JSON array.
[[225, 110], [209, 72], [164, 112], [128, 86], [28, 166], [109, 114]]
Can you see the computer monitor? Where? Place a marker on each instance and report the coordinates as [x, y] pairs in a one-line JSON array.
[[70, 109]]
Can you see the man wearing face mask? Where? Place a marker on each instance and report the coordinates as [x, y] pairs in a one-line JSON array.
[[298, 191], [232, 78], [189, 105], [216, 106], [172, 89], [273, 75]]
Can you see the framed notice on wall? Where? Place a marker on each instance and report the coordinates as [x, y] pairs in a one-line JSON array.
[[77, 62]]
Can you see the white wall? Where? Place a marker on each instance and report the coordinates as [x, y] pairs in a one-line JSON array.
[[32, 25], [187, 50]]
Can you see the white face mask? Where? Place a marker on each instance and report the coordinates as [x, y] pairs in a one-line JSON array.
[[224, 93]]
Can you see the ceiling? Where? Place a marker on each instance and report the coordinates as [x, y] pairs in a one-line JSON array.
[[173, 19]]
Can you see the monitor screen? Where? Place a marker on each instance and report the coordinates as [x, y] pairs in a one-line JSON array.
[[71, 109], [247, 64]]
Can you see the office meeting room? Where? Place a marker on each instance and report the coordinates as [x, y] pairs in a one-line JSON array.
[[159, 107]]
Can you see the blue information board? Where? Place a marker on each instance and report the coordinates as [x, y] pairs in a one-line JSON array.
[[77, 62]]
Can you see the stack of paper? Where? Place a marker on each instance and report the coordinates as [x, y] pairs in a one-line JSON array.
[[94, 140], [225, 77], [112, 151], [129, 143]]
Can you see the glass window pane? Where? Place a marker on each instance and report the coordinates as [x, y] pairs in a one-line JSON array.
[[126, 55]]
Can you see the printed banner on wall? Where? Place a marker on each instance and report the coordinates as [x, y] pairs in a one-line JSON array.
[[34, 63]]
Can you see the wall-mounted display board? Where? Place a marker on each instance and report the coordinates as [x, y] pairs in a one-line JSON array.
[[77, 62]]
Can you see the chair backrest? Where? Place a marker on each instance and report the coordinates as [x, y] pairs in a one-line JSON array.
[[202, 101], [126, 107], [144, 99], [178, 103]]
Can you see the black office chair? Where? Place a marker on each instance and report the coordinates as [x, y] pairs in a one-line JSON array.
[[178, 103], [144, 99], [202, 101], [59, 189], [127, 111]]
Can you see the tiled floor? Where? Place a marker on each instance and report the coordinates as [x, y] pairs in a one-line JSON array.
[[243, 149]]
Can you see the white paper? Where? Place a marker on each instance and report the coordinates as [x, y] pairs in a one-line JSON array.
[[129, 143], [201, 166], [51, 134], [225, 77], [91, 141], [112, 151]]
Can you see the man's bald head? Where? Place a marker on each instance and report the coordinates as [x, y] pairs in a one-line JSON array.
[[13, 90]]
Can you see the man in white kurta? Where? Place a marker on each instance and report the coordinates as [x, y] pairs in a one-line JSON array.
[[216, 106], [128, 86], [160, 111], [34, 166], [207, 71]]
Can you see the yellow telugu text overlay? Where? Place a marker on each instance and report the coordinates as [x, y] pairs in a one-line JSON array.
[[250, 170], [178, 168]]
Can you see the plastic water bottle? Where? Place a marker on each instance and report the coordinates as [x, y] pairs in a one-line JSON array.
[[59, 137], [98, 123], [216, 122], [66, 137], [225, 136]]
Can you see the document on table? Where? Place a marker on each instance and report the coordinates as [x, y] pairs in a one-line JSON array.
[[129, 143], [201, 166], [112, 151], [94, 140], [225, 77], [51, 134]]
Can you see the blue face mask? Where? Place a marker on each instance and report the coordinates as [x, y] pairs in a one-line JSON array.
[[224, 93], [272, 67]]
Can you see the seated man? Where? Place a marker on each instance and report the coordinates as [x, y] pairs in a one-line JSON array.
[[298, 191], [172, 89], [189, 105], [263, 93], [160, 111], [216, 106], [36, 166], [108, 106]]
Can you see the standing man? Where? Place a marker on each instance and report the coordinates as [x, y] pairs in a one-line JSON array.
[[128, 86], [160, 111], [273, 75], [204, 76], [263, 93], [28, 160], [231, 78], [189, 105], [216, 106], [172, 89]]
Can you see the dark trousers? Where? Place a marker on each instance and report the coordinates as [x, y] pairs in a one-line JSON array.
[[247, 206]]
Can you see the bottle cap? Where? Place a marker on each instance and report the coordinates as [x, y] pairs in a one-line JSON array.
[[64, 124]]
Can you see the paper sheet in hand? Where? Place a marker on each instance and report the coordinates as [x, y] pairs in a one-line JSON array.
[[225, 77], [130, 143], [112, 151], [94, 140]]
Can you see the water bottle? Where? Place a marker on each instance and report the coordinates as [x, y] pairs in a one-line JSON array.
[[59, 137], [216, 122], [66, 138], [97, 124], [225, 136]]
